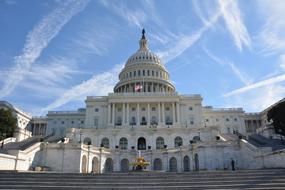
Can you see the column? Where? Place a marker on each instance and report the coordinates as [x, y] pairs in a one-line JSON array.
[[159, 118], [138, 110], [109, 114], [148, 114], [113, 114], [173, 113], [163, 113], [128, 109], [178, 112], [124, 114]]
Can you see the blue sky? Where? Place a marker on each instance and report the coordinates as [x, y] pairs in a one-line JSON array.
[[55, 53]]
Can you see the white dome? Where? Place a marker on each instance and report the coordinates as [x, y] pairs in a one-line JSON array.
[[146, 69]]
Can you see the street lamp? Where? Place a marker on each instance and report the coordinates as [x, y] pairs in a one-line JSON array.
[[80, 134]]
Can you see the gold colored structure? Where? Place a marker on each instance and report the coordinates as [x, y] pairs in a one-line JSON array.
[[140, 163]]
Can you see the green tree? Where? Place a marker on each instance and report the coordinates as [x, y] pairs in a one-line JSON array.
[[8, 123], [276, 115]]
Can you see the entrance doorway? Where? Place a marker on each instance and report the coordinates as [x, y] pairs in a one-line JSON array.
[[124, 165], [196, 160], [186, 164]]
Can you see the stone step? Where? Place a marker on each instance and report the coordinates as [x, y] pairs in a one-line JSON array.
[[145, 186], [242, 179]]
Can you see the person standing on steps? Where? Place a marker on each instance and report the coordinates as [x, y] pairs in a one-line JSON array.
[[233, 165]]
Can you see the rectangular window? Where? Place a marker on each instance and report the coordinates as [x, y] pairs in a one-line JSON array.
[[96, 109], [135, 73], [143, 72], [153, 109], [96, 122]]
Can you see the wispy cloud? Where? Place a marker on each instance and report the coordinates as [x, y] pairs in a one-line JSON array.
[[97, 85], [234, 23], [38, 39], [133, 17], [257, 99], [259, 84], [243, 78], [186, 41], [272, 37]]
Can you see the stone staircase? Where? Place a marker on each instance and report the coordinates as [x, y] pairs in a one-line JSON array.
[[261, 141], [242, 179]]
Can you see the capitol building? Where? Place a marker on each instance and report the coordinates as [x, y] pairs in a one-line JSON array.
[[144, 115]]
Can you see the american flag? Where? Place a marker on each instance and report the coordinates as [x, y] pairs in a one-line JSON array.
[[138, 87]]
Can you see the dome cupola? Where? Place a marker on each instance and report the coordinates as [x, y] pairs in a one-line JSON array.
[[144, 72]]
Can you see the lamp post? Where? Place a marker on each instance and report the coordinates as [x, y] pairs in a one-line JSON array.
[[100, 157], [165, 147], [80, 134], [180, 151]]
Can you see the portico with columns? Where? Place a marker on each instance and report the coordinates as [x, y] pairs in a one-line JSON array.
[[120, 113]]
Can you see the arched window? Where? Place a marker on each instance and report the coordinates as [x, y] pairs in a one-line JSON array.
[[105, 142], [87, 141], [141, 143], [196, 138], [123, 143], [159, 143], [178, 142]]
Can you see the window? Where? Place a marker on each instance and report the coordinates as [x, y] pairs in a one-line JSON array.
[[72, 122], [119, 121], [123, 144], [178, 142], [157, 73], [119, 109], [133, 109], [143, 109], [217, 120], [147, 72], [167, 108], [143, 121], [235, 119], [153, 120], [152, 73], [191, 120], [105, 143], [168, 120], [143, 72], [153, 109], [62, 122], [96, 109], [96, 122], [190, 108], [227, 119], [159, 143], [133, 121], [130, 74], [139, 73], [135, 73], [82, 122]]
